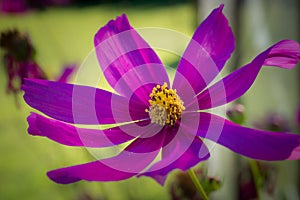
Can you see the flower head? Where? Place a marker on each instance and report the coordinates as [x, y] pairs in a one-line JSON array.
[[165, 105], [163, 125]]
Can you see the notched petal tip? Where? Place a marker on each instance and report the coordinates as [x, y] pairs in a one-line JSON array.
[[284, 54], [114, 26], [220, 8], [32, 127], [120, 19]]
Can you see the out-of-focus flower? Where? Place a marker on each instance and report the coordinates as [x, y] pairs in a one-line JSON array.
[[267, 173], [19, 61], [21, 6], [273, 122], [17, 45], [183, 187], [267, 180], [246, 185], [13, 6], [236, 113], [160, 120]]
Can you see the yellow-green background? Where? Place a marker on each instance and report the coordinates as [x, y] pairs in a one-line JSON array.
[[65, 35]]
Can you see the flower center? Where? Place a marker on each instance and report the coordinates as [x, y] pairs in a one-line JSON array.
[[165, 105]]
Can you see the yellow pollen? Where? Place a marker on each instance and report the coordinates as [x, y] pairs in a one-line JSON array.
[[165, 105]]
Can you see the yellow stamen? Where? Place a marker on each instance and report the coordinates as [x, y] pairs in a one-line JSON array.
[[165, 105]]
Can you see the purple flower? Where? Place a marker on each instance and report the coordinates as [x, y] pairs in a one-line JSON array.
[[19, 61], [160, 124], [268, 175], [13, 6], [22, 6]]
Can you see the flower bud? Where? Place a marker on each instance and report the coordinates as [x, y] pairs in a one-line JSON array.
[[236, 113]]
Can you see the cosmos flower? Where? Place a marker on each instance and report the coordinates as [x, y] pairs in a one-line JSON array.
[[160, 124]]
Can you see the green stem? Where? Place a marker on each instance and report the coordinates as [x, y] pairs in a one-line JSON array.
[[197, 184], [256, 176]]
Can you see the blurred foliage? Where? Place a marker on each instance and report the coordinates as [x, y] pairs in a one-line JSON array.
[[183, 188]]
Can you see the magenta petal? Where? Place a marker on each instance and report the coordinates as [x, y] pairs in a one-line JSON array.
[[73, 136], [256, 144], [126, 59], [284, 54], [93, 171], [122, 166], [181, 149], [150, 140], [207, 52], [80, 104], [192, 155]]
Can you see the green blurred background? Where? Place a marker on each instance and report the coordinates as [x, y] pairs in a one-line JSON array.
[[65, 35]]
